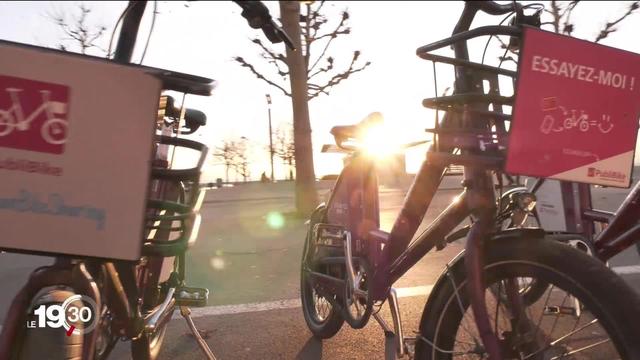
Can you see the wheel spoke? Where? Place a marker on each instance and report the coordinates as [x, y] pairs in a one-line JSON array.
[[535, 346], [581, 349], [555, 322], [459, 301]]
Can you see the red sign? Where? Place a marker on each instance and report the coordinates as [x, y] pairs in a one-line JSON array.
[[576, 112], [33, 115]]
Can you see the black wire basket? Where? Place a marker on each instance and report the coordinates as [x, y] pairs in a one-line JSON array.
[[475, 122], [173, 218]]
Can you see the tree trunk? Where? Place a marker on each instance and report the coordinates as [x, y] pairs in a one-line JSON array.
[[306, 196]]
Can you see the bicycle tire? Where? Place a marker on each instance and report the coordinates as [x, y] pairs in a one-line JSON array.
[[330, 324], [602, 292], [48, 343], [148, 346]]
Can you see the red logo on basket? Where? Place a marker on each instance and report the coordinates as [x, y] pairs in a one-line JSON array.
[[606, 174], [33, 115]]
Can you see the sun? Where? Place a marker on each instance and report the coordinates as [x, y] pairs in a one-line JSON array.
[[381, 140]]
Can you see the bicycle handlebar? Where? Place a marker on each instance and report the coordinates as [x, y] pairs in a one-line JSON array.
[[258, 17], [129, 31], [493, 8]]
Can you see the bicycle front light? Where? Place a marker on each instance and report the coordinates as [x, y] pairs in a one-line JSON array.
[[525, 201]]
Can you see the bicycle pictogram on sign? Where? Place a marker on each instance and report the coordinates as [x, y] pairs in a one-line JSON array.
[[33, 115]]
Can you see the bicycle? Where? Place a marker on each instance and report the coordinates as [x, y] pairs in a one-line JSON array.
[[349, 265], [53, 130], [130, 300]]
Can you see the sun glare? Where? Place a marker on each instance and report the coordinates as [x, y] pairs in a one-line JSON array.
[[381, 141]]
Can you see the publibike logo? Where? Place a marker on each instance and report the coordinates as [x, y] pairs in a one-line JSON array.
[[76, 315], [611, 175], [33, 115]]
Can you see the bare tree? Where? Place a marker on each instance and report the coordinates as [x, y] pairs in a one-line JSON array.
[[562, 22], [284, 147], [79, 36], [241, 161], [227, 154], [310, 71], [233, 155], [314, 35]]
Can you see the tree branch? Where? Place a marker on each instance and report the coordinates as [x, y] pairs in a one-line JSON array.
[[555, 12], [341, 29], [78, 31], [336, 79], [567, 26], [326, 46], [610, 27], [243, 63], [328, 68], [269, 52]]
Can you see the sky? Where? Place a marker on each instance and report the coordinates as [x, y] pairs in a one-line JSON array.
[[201, 38]]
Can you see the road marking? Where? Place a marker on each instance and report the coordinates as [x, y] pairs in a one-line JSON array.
[[414, 291], [295, 303], [626, 270], [284, 304]]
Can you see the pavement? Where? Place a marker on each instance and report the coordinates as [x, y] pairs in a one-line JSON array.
[[248, 256]]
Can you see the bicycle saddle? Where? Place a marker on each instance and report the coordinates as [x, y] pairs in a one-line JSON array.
[[344, 132], [193, 118]]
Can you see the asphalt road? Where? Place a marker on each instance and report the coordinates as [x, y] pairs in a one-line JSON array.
[[248, 256]]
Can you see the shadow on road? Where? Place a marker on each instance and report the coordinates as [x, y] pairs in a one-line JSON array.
[[312, 350]]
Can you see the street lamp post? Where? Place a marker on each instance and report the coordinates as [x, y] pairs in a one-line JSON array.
[[270, 135]]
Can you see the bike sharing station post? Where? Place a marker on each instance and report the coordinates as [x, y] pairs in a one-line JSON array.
[[575, 120]]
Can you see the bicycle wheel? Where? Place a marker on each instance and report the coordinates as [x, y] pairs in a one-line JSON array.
[[322, 318], [148, 346], [584, 313], [48, 342]]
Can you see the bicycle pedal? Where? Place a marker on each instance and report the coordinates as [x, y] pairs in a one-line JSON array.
[[191, 296], [559, 310], [410, 346]]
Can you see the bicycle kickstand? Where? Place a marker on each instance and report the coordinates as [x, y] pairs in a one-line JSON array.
[[402, 346], [186, 313]]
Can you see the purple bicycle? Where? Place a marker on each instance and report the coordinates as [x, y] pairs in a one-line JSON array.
[[349, 265]]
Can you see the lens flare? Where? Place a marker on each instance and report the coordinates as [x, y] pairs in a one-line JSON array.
[[381, 141], [275, 220], [217, 263]]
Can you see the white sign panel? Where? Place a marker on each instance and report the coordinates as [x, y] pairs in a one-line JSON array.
[[76, 141], [549, 205]]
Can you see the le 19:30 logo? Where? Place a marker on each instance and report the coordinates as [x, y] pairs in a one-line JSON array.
[[76, 315]]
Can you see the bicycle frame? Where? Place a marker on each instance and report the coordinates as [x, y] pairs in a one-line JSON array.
[[396, 258], [356, 188], [466, 125]]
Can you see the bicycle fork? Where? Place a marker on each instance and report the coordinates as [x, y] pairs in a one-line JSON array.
[[481, 202], [474, 263]]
